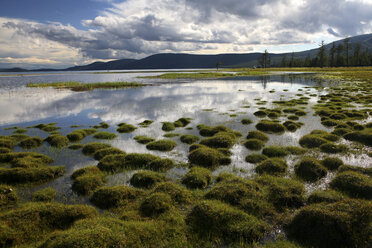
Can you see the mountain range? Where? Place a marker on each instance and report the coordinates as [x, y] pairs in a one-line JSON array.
[[193, 61]]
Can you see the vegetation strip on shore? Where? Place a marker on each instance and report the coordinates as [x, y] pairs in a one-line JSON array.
[[77, 86]]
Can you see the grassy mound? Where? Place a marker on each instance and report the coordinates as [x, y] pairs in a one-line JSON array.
[[275, 151], [168, 126], [113, 163], [143, 139], [366, 171], [182, 122], [125, 128], [189, 139], [270, 126], [8, 196], [325, 196], [292, 126], [138, 160], [364, 137], [208, 157], [312, 141], [146, 123], [90, 148], [333, 148], [44, 195], [31, 142], [105, 135], [115, 196], [332, 163], [354, 184], [5, 150], [161, 164], [255, 158], [310, 169], [34, 221], [8, 142], [101, 153], [217, 220], [171, 135], [162, 145], [246, 121], [57, 140], [103, 125], [208, 131], [25, 159], [87, 179], [254, 144], [178, 193], [84, 171], [257, 135], [283, 193], [294, 150], [80, 134], [197, 178], [342, 224], [220, 140], [260, 113], [146, 179], [156, 204], [30, 175], [273, 166], [75, 146]]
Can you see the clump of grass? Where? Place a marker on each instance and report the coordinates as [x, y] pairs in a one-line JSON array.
[[26, 159], [208, 131], [255, 158], [208, 157], [366, 171], [333, 148], [162, 145], [44, 195], [254, 144], [189, 139], [30, 175], [113, 163], [143, 139], [125, 128], [80, 134], [292, 126], [171, 135], [354, 184], [220, 140], [340, 224], [20, 130], [260, 113], [273, 166], [257, 135], [47, 127], [310, 169], [270, 127], [294, 150], [219, 221], [156, 204], [77, 86], [8, 196], [115, 196], [197, 178], [105, 135], [103, 125], [275, 151], [178, 193], [182, 122], [168, 126], [161, 164], [86, 180], [312, 141], [332, 163], [101, 153], [146, 179], [31, 142], [90, 148], [57, 140], [363, 137], [293, 117], [5, 150], [246, 121], [75, 146], [146, 123], [118, 162], [7, 142], [328, 196]]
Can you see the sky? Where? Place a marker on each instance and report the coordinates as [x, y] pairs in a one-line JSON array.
[[59, 34]]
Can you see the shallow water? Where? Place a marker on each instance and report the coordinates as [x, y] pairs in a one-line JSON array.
[[165, 101]]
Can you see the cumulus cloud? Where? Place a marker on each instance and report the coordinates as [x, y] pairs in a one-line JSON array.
[[137, 28]]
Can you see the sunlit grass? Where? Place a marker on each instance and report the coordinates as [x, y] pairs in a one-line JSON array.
[[77, 86]]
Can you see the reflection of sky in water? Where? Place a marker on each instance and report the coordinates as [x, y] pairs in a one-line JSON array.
[[21, 106]]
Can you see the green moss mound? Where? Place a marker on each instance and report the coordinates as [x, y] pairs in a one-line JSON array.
[[168, 126], [161, 164], [171, 135], [178, 193], [7, 142], [90, 148], [257, 135], [34, 221], [217, 220], [101, 153], [341, 224], [220, 140], [270, 127], [246, 121], [5, 150], [138, 160], [31, 142], [254, 144], [75, 146], [156, 204], [273, 166], [364, 137], [84, 171], [312, 141], [113, 163], [208, 157], [44, 195], [182, 122], [294, 150], [115, 196], [146, 123], [292, 126], [143, 139], [332, 163], [105, 135], [341, 131], [366, 171], [146, 179], [260, 113], [125, 128], [26, 159], [189, 139], [162, 145], [275, 151], [197, 178], [255, 158], [333, 148], [283, 193], [8, 196], [87, 183], [208, 131], [57, 140], [325, 196], [310, 169], [80, 134], [354, 184], [30, 175]]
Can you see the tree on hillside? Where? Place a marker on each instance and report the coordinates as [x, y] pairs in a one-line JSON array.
[[307, 62], [340, 61], [284, 61], [332, 52], [322, 54], [357, 55], [218, 65], [347, 48], [291, 62]]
